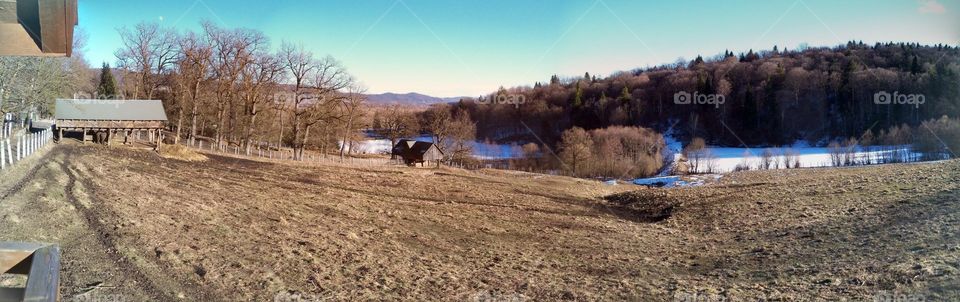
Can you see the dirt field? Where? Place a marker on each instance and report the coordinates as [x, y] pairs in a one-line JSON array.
[[135, 226]]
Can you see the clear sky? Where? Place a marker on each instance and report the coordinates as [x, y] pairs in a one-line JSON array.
[[469, 47]]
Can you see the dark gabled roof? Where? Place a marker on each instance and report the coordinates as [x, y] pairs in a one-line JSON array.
[[420, 148], [406, 147], [110, 110]]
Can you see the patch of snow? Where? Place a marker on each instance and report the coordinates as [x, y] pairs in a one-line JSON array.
[[727, 159], [672, 153], [657, 181]]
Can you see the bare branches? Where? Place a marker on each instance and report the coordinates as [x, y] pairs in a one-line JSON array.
[[148, 51], [316, 90]]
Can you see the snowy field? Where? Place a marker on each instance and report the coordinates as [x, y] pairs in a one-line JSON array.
[[727, 159]]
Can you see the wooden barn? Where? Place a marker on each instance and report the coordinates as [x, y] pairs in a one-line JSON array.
[[416, 152], [105, 119]]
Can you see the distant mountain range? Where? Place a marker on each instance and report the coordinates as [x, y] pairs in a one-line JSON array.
[[408, 99]]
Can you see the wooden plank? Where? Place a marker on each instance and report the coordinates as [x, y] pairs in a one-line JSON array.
[[10, 259], [43, 283], [13, 253]]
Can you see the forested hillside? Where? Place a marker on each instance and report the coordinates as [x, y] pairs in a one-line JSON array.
[[770, 97]]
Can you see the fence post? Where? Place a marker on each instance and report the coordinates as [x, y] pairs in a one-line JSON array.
[[9, 153]]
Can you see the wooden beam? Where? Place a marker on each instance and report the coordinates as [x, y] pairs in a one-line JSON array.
[[43, 283]]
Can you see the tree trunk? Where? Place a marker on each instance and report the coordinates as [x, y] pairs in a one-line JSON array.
[[249, 134], [280, 124], [306, 136], [193, 114], [176, 139], [346, 134]]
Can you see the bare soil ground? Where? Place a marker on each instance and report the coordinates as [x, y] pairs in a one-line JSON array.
[[143, 227]]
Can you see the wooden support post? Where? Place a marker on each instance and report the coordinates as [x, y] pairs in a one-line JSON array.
[[109, 136], [83, 135]]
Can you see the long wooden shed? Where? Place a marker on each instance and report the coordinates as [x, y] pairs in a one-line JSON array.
[[105, 118]]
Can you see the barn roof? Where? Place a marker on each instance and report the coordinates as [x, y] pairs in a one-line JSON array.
[[407, 147], [119, 110]]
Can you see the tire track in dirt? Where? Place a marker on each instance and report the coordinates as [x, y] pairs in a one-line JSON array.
[[103, 237], [29, 177]]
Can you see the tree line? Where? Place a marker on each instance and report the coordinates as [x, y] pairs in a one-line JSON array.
[[770, 98], [31, 84], [231, 86]]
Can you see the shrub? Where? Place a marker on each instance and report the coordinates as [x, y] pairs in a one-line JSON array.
[[696, 153], [940, 140], [790, 158], [612, 152], [836, 154], [766, 159]]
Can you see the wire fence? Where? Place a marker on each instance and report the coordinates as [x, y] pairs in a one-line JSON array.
[[266, 151]]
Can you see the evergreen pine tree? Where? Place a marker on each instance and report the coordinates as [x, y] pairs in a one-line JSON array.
[[625, 96], [108, 86], [915, 66], [578, 96]]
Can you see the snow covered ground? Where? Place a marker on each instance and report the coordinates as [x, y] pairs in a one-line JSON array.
[[727, 159]]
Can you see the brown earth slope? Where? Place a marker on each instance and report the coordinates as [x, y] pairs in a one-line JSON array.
[[147, 228]]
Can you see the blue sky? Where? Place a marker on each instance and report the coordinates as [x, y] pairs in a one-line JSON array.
[[468, 47]]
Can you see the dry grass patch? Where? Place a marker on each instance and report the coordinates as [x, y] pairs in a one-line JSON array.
[[179, 152]]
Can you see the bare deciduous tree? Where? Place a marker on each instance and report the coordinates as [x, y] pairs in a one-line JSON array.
[[352, 112], [148, 51], [316, 84]]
